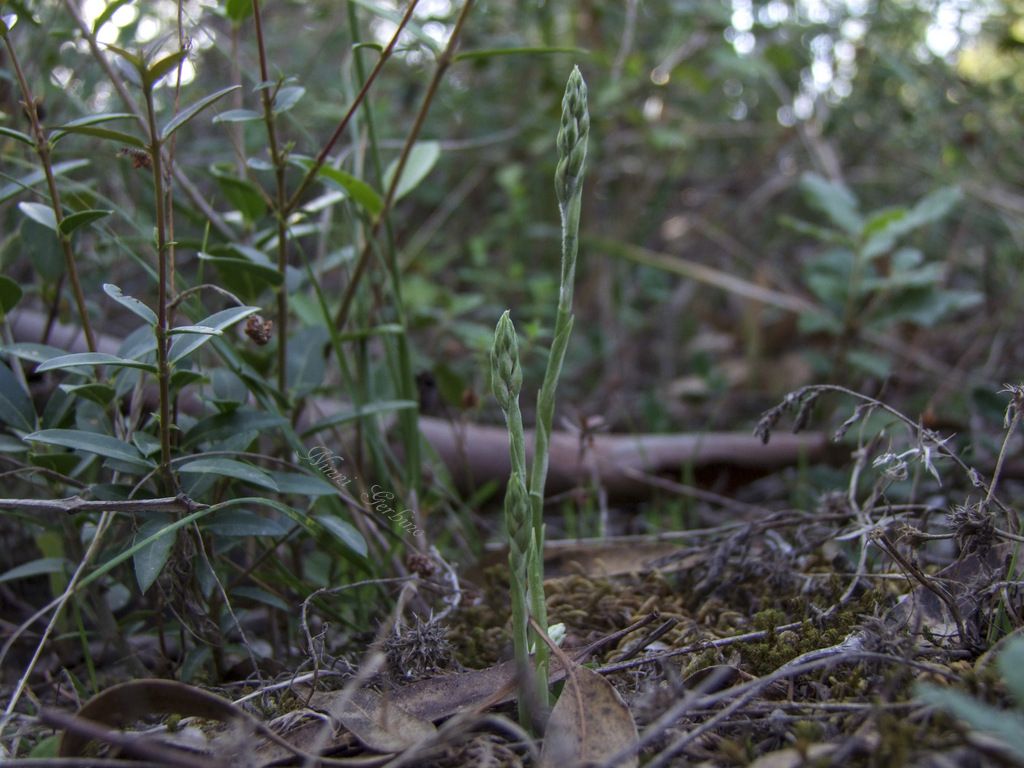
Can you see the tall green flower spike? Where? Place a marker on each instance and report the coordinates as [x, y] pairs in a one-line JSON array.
[[572, 138], [524, 502]]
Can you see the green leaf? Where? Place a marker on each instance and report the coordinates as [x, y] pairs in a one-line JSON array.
[[287, 98], [130, 303], [1011, 665], [163, 67], [238, 10], [834, 200], [934, 206], [80, 359], [243, 522], [80, 219], [886, 227], [10, 294], [370, 409], [872, 363], [1006, 726], [422, 159], [305, 362], [9, 444], [224, 425], [923, 306], [96, 392], [186, 345], [132, 58], [246, 279], [200, 329], [88, 126], [361, 192], [243, 194], [343, 532], [102, 117], [109, 134], [150, 559], [33, 353], [90, 442], [304, 485], [17, 135], [238, 115], [109, 11], [262, 596], [237, 470], [16, 408], [40, 214], [41, 567], [191, 111], [31, 179]]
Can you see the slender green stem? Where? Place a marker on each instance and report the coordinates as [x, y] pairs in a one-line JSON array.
[[163, 372], [42, 147], [277, 158], [325, 151], [443, 62], [117, 82], [408, 419]]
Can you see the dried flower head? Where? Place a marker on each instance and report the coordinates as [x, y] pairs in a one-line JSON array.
[[258, 329]]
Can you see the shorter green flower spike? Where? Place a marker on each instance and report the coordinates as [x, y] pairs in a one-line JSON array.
[[519, 527], [572, 138], [506, 375]]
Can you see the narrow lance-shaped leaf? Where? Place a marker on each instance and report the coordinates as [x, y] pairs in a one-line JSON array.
[[109, 134], [10, 294], [83, 359], [40, 214], [422, 158], [80, 219], [15, 406], [10, 133], [187, 344], [130, 303], [92, 125], [150, 560], [160, 68], [192, 110], [90, 442], [363, 194], [34, 177], [237, 116], [237, 470]]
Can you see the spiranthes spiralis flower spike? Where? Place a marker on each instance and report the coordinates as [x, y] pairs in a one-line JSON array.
[[506, 374], [572, 138], [518, 527]]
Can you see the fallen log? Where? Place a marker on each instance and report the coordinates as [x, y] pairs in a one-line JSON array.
[[476, 453]]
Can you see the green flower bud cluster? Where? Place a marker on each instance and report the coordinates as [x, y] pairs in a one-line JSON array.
[[572, 137], [506, 375], [518, 527]]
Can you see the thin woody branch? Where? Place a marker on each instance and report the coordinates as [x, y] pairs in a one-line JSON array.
[[76, 504]]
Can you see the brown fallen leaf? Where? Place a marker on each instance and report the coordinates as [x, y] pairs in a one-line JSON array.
[[122, 705], [378, 722], [590, 721], [127, 703], [964, 581]]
